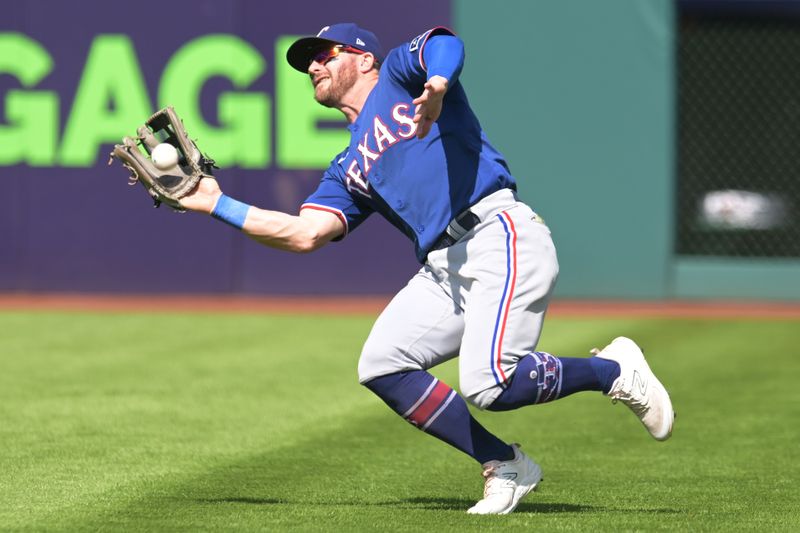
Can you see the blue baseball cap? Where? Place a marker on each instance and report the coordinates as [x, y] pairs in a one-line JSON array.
[[347, 33]]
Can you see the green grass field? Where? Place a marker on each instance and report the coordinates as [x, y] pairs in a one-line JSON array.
[[256, 422]]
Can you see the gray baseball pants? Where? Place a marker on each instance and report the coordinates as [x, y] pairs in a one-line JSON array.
[[483, 299]]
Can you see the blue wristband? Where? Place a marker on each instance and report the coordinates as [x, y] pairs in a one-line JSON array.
[[230, 211]]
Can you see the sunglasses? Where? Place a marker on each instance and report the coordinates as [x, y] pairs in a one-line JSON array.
[[326, 55]]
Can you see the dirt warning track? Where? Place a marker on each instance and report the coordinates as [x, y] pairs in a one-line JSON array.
[[372, 305]]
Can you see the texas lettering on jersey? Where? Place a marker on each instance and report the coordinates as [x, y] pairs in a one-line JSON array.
[[375, 143]]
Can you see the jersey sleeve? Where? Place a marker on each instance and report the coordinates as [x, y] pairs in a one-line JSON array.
[[406, 62], [333, 197]]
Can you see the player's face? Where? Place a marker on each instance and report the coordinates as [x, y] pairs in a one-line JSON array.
[[333, 73]]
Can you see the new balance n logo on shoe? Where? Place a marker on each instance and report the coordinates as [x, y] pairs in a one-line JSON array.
[[640, 383]]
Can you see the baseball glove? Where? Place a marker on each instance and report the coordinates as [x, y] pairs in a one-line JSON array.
[[165, 183]]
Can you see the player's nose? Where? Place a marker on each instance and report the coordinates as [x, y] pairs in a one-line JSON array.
[[313, 68]]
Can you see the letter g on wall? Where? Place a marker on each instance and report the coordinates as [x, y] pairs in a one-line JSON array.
[[30, 132]]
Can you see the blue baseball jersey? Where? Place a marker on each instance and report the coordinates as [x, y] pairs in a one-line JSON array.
[[418, 185]]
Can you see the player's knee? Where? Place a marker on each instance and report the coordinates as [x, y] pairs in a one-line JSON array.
[[372, 363], [479, 397], [365, 368], [379, 358]]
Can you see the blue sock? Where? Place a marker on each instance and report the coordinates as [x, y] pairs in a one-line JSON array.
[[541, 377], [588, 373], [606, 372], [435, 408]]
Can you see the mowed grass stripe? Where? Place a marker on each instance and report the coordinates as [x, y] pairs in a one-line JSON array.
[[256, 423], [95, 405]]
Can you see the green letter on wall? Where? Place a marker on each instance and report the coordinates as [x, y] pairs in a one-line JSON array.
[[32, 130], [300, 143], [245, 139], [111, 77]]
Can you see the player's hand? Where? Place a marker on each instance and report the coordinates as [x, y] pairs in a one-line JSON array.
[[204, 197], [429, 105]]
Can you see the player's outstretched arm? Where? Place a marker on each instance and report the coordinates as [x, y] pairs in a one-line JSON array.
[[307, 232]]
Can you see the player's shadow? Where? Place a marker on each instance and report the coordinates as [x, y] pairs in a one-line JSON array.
[[242, 499], [460, 504], [443, 504]]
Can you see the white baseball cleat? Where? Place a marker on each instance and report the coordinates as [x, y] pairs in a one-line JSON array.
[[507, 482], [638, 388]]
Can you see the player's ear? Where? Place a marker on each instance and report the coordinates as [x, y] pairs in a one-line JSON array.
[[366, 62]]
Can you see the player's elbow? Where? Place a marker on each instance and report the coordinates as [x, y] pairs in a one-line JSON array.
[[314, 229], [308, 242], [304, 246]]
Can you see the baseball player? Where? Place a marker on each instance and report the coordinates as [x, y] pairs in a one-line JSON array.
[[418, 157]]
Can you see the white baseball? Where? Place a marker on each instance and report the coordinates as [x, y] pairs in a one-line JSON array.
[[164, 156]]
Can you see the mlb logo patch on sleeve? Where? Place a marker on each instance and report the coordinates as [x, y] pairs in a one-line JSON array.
[[414, 46]]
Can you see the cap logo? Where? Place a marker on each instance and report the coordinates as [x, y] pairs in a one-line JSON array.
[[323, 30], [359, 42]]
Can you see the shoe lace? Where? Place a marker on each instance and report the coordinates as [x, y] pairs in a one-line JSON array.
[[490, 474], [638, 404]]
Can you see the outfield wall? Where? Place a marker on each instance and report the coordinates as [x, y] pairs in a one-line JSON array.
[[581, 96], [75, 81], [578, 94]]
